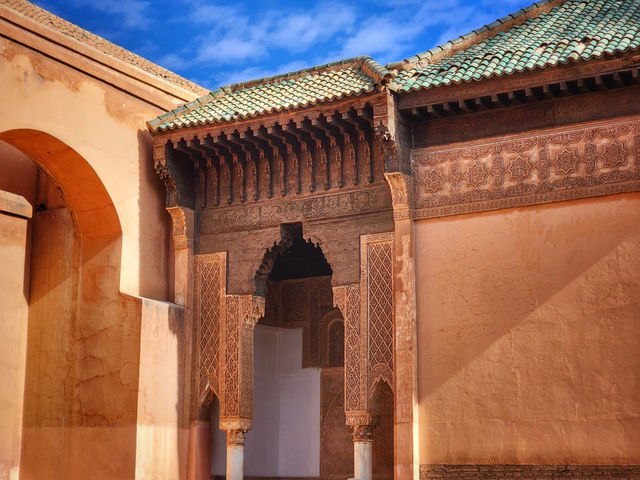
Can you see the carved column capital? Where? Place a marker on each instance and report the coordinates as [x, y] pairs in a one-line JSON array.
[[182, 227], [362, 433], [256, 311], [236, 437], [401, 194]]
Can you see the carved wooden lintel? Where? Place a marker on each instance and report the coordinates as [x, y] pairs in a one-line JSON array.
[[353, 201]]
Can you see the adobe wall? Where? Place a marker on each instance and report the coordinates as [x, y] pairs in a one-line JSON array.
[[14, 214], [527, 312], [106, 126], [528, 334], [93, 402]]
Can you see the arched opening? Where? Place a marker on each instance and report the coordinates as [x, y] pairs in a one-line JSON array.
[[77, 334], [382, 455], [211, 455], [290, 356]]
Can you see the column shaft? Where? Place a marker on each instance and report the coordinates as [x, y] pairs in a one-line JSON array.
[[235, 454]]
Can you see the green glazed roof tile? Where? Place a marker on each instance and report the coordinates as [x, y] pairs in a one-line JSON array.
[[576, 30], [281, 92]]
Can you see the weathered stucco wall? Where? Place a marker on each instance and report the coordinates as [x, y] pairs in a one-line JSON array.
[[107, 128], [529, 334], [13, 324], [162, 426]]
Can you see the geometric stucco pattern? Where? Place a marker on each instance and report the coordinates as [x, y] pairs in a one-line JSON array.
[[224, 358], [236, 403], [347, 299], [367, 309], [526, 170], [376, 251], [531, 472], [210, 281]]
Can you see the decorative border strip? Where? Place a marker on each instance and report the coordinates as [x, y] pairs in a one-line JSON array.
[[555, 166], [531, 472]]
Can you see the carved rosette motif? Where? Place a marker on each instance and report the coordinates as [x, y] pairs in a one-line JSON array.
[[556, 166]]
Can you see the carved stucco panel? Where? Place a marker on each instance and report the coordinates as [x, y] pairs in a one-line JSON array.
[[376, 257], [210, 313], [582, 162]]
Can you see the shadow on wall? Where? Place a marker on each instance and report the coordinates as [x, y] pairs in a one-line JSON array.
[[154, 224], [528, 333], [83, 335], [506, 269]]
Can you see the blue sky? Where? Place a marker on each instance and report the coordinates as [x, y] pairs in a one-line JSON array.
[[214, 43]]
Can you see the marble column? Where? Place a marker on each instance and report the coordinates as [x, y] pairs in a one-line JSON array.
[[235, 454], [362, 452]]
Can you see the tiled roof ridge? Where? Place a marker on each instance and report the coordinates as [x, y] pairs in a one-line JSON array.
[[68, 29], [376, 71], [372, 68], [476, 36]]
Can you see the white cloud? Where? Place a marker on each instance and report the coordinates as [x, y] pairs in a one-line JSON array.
[[133, 12], [298, 31]]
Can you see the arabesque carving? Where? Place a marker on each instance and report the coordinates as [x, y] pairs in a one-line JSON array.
[[365, 199], [367, 310], [380, 311], [210, 278], [547, 167]]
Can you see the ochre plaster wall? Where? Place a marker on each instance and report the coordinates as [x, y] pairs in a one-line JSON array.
[[107, 128], [162, 426], [14, 309], [529, 334]]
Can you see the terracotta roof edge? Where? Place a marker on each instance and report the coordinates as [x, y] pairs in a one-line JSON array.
[[478, 35], [379, 73], [141, 64]]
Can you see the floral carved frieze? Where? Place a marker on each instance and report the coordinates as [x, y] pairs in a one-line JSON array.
[[547, 167], [273, 212]]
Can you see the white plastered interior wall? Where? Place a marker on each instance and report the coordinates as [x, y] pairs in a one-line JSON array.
[[285, 437]]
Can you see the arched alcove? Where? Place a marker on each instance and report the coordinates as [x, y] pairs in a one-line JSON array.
[[82, 336], [295, 279], [84, 194], [383, 447]]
